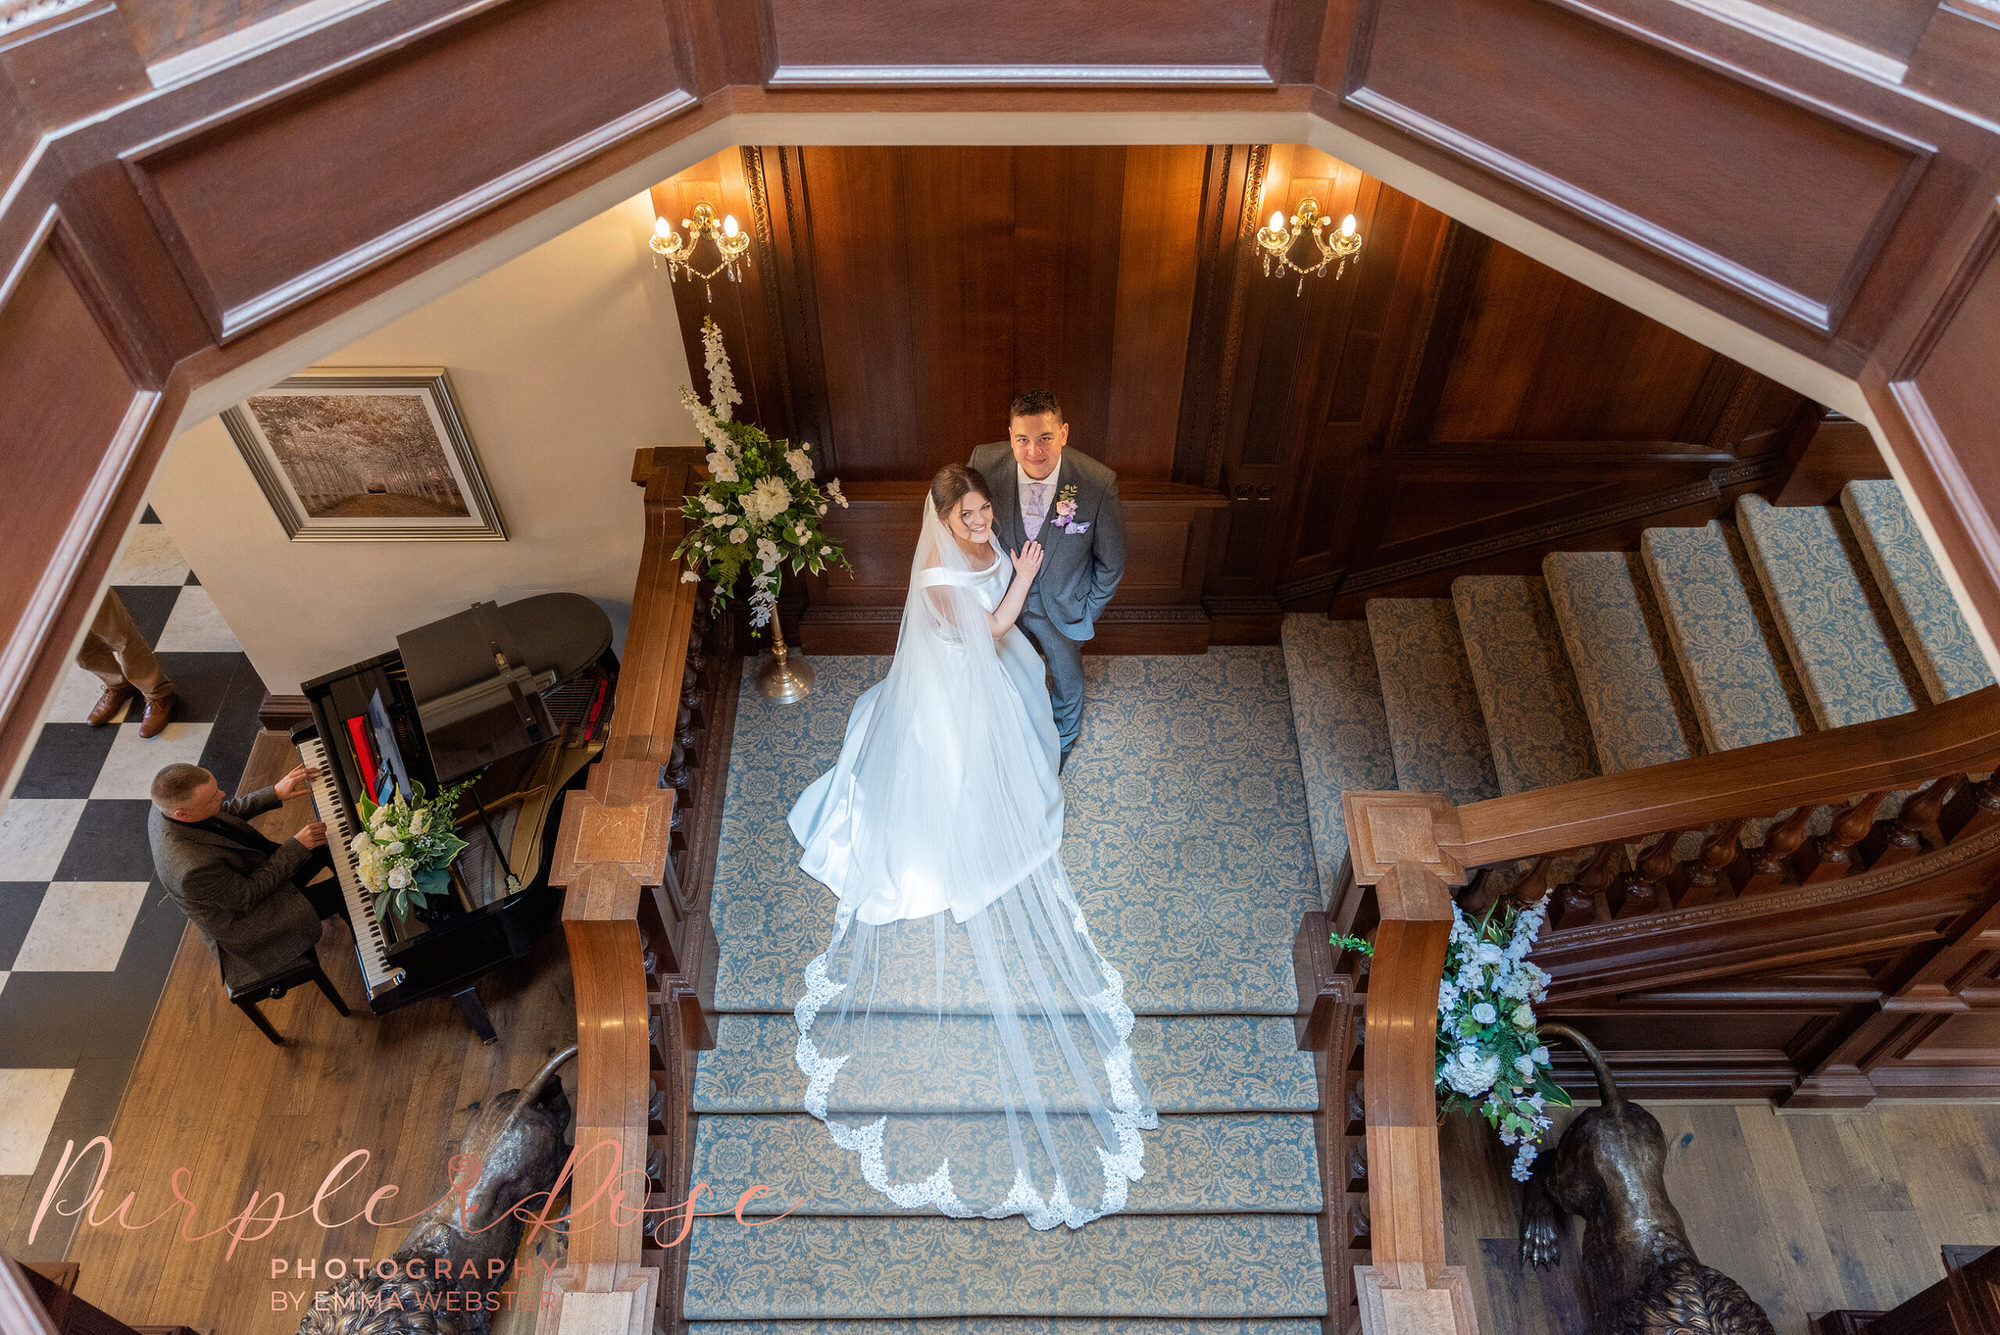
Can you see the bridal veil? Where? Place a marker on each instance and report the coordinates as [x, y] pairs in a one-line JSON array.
[[961, 1033]]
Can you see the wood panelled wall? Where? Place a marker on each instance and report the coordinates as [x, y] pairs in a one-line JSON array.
[[218, 211], [1447, 405]]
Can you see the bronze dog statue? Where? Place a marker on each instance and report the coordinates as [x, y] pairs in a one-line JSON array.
[[518, 1136], [1641, 1271]]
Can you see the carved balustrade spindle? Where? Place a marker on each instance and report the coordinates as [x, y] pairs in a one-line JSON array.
[[1971, 809], [1907, 835], [1576, 904], [1642, 890], [1700, 881], [1769, 866], [1832, 855], [1533, 887]]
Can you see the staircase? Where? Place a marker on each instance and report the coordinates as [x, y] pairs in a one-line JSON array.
[[1784, 621], [1188, 845]]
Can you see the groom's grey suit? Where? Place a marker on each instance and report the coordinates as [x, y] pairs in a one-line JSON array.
[[1080, 568]]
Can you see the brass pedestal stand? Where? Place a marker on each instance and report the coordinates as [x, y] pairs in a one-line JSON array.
[[783, 677]]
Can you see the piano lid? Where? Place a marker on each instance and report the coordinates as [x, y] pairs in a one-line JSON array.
[[478, 676]]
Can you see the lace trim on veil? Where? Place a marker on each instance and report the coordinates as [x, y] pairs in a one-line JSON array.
[[1126, 1113]]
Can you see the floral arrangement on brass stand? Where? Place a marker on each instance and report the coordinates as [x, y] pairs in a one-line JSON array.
[[758, 511], [1490, 1056]]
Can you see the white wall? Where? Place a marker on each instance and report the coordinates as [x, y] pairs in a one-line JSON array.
[[565, 360]]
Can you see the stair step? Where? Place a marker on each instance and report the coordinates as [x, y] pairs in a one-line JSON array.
[[1342, 731], [1920, 601], [1183, 804], [1742, 694], [1244, 1265], [1189, 1064], [1194, 1165], [1832, 620], [1623, 659], [1436, 730], [1014, 1325], [1535, 722]]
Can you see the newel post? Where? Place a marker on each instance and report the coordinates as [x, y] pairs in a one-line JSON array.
[[1397, 842]]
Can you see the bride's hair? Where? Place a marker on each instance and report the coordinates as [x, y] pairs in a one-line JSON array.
[[951, 485]]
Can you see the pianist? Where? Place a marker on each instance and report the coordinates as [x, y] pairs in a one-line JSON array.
[[253, 898]]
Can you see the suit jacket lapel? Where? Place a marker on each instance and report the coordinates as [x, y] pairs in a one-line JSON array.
[[1009, 502]]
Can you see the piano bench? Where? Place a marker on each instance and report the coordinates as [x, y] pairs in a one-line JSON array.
[[305, 969]]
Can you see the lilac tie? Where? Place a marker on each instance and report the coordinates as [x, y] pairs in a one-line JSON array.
[[1036, 511]]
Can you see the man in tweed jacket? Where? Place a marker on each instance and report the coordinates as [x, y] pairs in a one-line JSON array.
[[245, 892], [1068, 502]]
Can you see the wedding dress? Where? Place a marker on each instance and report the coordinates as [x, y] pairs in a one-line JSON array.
[[961, 1033]]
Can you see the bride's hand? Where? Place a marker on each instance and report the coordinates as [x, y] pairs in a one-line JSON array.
[[1028, 560]]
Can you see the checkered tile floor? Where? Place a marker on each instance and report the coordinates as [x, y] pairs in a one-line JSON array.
[[87, 934]]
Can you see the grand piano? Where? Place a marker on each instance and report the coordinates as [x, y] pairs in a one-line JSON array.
[[517, 695]]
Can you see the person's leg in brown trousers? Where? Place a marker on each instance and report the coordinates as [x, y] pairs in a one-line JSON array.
[[117, 652]]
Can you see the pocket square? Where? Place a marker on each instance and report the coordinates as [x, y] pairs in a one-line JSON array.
[[1076, 527]]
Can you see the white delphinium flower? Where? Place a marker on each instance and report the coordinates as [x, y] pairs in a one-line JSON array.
[[801, 464], [721, 467], [721, 380]]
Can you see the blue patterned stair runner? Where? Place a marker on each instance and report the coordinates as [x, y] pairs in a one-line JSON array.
[[1535, 721], [1720, 643], [1190, 847], [1919, 600], [1834, 624], [1617, 642], [1342, 731], [1435, 728]]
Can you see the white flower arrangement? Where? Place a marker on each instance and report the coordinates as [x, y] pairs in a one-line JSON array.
[[1490, 1056], [760, 507], [406, 845]]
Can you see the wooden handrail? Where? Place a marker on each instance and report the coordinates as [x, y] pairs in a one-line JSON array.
[[612, 853], [1395, 847], [1891, 754], [1410, 848]]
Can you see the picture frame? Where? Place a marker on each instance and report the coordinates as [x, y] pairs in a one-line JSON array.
[[366, 454]]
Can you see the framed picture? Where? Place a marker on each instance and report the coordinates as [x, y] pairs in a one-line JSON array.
[[347, 454]]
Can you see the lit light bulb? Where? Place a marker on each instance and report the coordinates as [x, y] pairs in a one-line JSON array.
[[1278, 222], [729, 227], [662, 228], [1347, 225]]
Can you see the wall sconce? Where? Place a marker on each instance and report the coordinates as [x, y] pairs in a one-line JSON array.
[[1278, 240], [731, 243]]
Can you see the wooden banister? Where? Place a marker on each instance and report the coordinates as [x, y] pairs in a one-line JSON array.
[[1397, 844], [634, 945], [1892, 754], [1679, 830]]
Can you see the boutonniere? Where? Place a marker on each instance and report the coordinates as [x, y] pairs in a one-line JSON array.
[[1066, 511]]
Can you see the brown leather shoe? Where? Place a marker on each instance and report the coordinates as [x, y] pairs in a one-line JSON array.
[[108, 703], [158, 707]]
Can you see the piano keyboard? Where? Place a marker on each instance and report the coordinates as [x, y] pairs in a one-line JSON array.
[[368, 942]]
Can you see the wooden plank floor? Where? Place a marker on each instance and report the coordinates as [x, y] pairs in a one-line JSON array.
[[211, 1094], [1808, 1212]]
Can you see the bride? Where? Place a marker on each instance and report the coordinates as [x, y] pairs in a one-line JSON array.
[[961, 1034]]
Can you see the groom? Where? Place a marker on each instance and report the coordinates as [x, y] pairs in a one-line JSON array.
[[1068, 502]]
